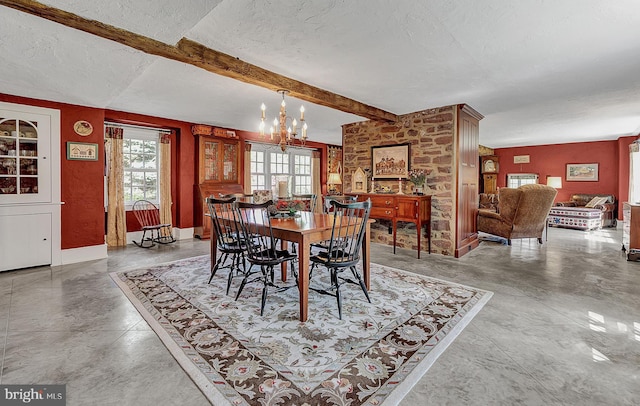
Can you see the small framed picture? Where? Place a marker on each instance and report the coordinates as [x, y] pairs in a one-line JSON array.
[[391, 161], [582, 172], [82, 151]]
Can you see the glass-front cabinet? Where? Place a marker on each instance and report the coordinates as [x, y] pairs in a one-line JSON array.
[[20, 157], [218, 160]]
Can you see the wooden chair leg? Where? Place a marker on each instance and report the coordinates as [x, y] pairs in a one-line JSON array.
[[338, 296], [356, 274]]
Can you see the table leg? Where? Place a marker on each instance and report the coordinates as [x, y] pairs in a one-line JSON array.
[[283, 266], [213, 245], [395, 225], [366, 256], [304, 248], [418, 232]]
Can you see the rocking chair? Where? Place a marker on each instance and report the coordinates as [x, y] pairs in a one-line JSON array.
[[148, 216]]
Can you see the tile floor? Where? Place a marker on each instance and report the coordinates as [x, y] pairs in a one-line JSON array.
[[563, 327]]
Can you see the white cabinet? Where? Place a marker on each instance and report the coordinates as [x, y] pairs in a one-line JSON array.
[[26, 240], [29, 186]]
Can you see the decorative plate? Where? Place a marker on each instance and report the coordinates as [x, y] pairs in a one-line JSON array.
[[83, 128]]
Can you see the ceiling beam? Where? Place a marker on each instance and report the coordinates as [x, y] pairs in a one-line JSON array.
[[196, 54]]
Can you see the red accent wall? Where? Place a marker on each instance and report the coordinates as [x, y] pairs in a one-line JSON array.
[[182, 164], [612, 158], [82, 182]]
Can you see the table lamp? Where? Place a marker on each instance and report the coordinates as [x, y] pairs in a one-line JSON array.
[[332, 181]]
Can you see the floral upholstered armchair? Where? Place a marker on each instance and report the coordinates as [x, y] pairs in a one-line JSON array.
[[522, 213]]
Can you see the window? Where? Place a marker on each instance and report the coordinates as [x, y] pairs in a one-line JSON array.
[[515, 180], [302, 177], [141, 165], [258, 175], [268, 165]]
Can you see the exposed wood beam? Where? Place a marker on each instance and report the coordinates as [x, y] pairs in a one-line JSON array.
[[227, 65], [196, 54]]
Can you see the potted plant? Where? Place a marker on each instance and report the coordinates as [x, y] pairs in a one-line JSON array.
[[418, 177]]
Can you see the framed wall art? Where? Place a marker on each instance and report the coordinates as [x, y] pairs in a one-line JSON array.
[[82, 151], [582, 172], [390, 161]]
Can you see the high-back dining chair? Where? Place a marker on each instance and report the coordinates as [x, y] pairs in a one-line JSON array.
[[229, 239], [349, 225], [262, 251], [309, 201], [327, 208]]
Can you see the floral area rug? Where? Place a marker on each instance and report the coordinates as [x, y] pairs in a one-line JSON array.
[[373, 356]]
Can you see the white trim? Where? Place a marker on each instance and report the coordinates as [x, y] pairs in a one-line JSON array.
[[82, 254], [183, 233]]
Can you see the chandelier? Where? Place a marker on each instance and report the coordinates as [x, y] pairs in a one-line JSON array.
[[286, 133]]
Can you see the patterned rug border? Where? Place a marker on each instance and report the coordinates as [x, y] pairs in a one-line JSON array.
[[216, 397]]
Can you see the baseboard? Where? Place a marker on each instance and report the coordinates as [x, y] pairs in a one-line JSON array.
[[91, 253], [81, 254], [183, 233]]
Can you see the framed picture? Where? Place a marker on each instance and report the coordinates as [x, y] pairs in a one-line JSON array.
[[582, 172], [390, 161], [82, 151]]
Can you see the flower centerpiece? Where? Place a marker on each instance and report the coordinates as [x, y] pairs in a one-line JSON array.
[[418, 177], [290, 206]]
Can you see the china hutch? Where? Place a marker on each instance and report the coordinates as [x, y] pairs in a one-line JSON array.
[[218, 170], [29, 201]]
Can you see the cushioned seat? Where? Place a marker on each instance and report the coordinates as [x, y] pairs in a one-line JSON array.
[[522, 213]]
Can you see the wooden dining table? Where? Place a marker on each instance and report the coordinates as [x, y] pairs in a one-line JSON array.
[[304, 230]]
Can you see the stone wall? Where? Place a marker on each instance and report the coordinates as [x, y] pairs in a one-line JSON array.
[[430, 133]]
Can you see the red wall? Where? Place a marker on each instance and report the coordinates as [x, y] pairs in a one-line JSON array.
[[612, 158], [182, 164], [82, 182]]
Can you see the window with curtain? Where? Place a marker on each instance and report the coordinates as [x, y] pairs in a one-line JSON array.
[[267, 163], [515, 180], [141, 165]]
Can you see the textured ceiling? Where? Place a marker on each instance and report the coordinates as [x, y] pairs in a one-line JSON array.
[[540, 72]]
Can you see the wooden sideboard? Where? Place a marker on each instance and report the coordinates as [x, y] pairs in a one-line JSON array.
[[395, 207]]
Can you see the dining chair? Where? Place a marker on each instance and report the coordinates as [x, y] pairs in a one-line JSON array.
[[239, 196], [349, 226], [327, 208], [262, 251], [229, 238], [309, 201]]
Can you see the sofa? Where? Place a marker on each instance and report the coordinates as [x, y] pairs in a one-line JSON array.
[[522, 212], [585, 212]]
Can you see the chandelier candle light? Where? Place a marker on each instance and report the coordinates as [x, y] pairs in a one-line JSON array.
[[287, 134]]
